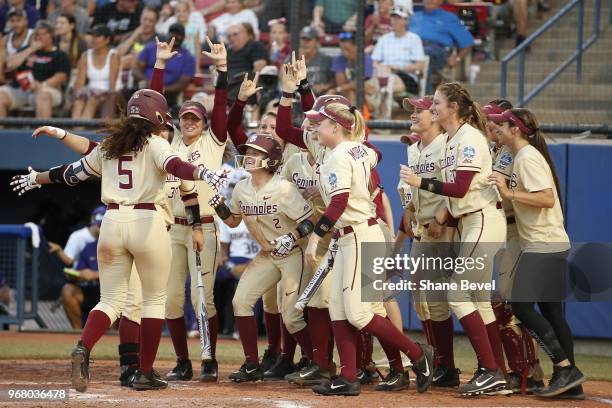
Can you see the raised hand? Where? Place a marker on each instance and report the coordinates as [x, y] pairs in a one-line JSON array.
[[52, 131], [25, 182], [283, 245], [248, 88], [290, 79], [299, 66], [217, 53], [164, 50]]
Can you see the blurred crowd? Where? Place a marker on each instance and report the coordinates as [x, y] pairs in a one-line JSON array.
[[84, 58]]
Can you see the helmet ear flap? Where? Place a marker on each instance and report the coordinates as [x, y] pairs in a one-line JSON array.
[[160, 118]]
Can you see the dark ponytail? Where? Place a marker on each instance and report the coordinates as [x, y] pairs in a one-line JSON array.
[[128, 135]]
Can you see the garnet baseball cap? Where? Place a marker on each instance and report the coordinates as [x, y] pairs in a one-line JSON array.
[[193, 107], [492, 109], [423, 103], [310, 33], [508, 116], [97, 214], [324, 113], [410, 139], [400, 12]]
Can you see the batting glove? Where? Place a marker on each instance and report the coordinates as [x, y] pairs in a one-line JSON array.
[[216, 200], [216, 179], [282, 245], [25, 182]]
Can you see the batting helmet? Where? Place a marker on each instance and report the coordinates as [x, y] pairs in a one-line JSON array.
[[267, 144], [149, 105]]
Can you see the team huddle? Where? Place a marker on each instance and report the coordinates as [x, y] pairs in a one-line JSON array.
[[473, 176]]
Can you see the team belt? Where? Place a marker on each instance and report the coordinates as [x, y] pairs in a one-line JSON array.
[[207, 219], [497, 206], [141, 206], [510, 220], [349, 230]]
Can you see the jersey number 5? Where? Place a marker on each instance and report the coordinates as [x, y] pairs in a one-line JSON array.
[[124, 172]]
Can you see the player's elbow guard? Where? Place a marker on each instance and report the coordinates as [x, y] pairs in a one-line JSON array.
[[71, 174]]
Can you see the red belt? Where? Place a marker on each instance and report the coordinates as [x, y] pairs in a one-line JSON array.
[[350, 230], [510, 220], [141, 206], [498, 205], [208, 219]]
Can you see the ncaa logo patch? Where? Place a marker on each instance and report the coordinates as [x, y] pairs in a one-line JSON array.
[[469, 152], [506, 159], [333, 180]]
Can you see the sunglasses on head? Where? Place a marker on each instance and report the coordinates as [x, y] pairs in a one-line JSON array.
[[346, 36]]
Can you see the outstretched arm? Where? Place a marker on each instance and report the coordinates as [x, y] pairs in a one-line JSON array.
[[218, 122], [162, 54], [74, 142]]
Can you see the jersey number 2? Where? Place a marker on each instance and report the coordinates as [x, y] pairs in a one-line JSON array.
[[276, 223], [124, 172]]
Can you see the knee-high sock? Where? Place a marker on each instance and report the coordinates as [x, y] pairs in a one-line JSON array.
[[346, 337], [288, 344], [431, 339], [213, 328], [247, 328], [443, 334], [319, 328], [476, 331], [303, 339], [496, 345], [150, 333], [273, 331], [97, 324], [129, 331], [365, 349], [384, 330], [393, 355], [178, 334]]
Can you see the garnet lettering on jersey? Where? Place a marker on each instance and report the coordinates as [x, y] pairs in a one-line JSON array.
[[357, 152], [302, 183], [194, 156], [424, 168], [258, 209], [447, 161]]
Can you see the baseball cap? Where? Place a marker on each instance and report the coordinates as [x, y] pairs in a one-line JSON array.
[[17, 12], [492, 109], [97, 214], [410, 139], [400, 11], [194, 107], [270, 70], [310, 33], [324, 113], [177, 28], [508, 116], [423, 103], [100, 30]]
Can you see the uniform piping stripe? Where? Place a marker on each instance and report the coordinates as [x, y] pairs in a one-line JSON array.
[[357, 257], [301, 270], [168, 159], [468, 167], [91, 168], [214, 271], [479, 235]]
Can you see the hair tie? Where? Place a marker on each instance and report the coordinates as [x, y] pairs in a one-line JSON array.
[[352, 109]]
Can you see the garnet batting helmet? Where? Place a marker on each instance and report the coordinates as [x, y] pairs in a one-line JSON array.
[[267, 144], [149, 105]]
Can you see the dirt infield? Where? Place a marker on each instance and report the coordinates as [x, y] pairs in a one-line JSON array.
[[104, 389]]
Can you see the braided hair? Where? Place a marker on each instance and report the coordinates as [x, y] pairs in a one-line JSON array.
[[469, 110]]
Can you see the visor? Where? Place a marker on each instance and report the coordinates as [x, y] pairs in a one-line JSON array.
[[420, 103], [508, 116], [324, 113], [492, 109]]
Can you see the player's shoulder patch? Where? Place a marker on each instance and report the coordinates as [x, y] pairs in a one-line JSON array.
[[332, 179], [505, 159], [469, 151]]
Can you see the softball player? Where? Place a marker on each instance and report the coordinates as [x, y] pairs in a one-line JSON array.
[[133, 162], [534, 193], [346, 174], [433, 311], [466, 164], [520, 348], [277, 217], [202, 147]]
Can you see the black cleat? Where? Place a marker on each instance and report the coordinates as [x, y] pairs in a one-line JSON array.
[[152, 381], [338, 386], [576, 393], [181, 372], [563, 379], [303, 363], [126, 376], [269, 359], [279, 370], [424, 368], [209, 371], [484, 381], [515, 382], [247, 372], [366, 376], [311, 375], [79, 359], [446, 377], [394, 381]]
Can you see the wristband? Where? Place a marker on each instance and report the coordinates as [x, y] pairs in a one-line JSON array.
[[222, 82], [65, 134], [288, 95], [323, 226], [223, 211], [304, 86]]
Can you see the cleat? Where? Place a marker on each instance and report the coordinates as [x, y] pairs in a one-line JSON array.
[[515, 382], [127, 375], [302, 364], [576, 393], [279, 371], [181, 372], [483, 381], [153, 381], [338, 386], [80, 367], [424, 368], [269, 359], [311, 375], [209, 371], [247, 372], [563, 379], [446, 377], [394, 381]]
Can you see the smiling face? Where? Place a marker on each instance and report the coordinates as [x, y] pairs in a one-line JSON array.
[[504, 134], [327, 132], [252, 160], [421, 120], [62, 26], [441, 109], [492, 131], [191, 126]]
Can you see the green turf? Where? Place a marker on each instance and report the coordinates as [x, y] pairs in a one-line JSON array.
[[230, 352]]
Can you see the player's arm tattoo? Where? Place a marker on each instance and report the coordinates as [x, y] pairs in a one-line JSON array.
[[69, 174]]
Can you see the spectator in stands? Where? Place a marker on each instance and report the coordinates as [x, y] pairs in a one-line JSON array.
[[334, 16], [79, 251], [378, 23], [276, 9], [278, 45], [235, 14], [17, 38], [320, 74], [520, 13], [344, 67], [399, 55], [121, 17], [7, 5], [96, 84], [440, 32], [195, 28], [68, 40], [41, 72], [71, 7], [145, 33], [179, 69], [244, 53]]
